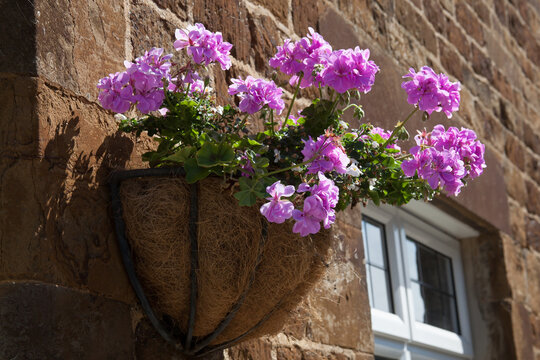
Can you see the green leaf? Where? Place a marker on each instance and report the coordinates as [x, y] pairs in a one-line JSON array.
[[214, 154], [181, 155], [194, 172], [250, 190]]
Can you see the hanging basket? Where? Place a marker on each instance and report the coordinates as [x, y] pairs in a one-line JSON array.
[[208, 272]]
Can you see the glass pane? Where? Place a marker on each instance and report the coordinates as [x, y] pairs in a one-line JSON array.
[[432, 286], [418, 300], [440, 310], [381, 293], [370, 290], [445, 272], [428, 266], [412, 259], [375, 243]]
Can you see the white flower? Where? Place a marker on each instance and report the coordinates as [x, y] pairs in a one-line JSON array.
[[277, 155], [218, 109], [372, 183], [353, 170], [343, 124], [352, 187], [120, 117], [296, 168]]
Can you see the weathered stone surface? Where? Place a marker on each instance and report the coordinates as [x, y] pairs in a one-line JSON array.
[[251, 350], [305, 15], [265, 37], [522, 327], [55, 222], [457, 37], [18, 37], [288, 353], [414, 22], [533, 274], [340, 301], [179, 8], [280, 9], [18, 128], [533, 200], [228, 17], [516, 270], [469, 21], [79, 42], [533, 234], [149, 29], [44, 321]]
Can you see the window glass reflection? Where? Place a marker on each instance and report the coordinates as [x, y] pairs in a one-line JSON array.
[[377, 271], [432, 286]]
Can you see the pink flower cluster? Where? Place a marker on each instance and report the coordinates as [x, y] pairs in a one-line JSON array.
[[141, 83], [302, 56], [256, 93], [318, 206], [432, 92], [205, 47], [444, 158], [328, 155], [341, 69], [350, 69]]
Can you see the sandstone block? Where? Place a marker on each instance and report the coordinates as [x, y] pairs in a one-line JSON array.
[[470, 22], [44, 321], [79, 42], [230, 18]]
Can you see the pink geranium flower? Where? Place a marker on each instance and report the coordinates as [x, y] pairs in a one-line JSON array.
[[277, 210]]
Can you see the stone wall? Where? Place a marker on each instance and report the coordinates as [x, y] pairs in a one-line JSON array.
[[63, 291]]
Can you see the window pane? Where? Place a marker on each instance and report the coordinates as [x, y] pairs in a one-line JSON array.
[[375, 243], [432, 286], [381, 292], [377, 272]]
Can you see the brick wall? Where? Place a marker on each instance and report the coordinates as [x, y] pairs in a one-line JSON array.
[[59, 265]]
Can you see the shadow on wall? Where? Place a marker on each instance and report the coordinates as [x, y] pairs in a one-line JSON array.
[[77, 220]]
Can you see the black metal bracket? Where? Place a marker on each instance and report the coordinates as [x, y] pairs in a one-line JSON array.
[[186, 343]]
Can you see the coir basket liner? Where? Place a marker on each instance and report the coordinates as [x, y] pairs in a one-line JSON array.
[[216, 272]]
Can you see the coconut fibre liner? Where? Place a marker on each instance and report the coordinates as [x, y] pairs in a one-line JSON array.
[[156, 214]]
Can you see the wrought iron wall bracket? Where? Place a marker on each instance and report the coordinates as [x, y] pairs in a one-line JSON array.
[[185, 343]]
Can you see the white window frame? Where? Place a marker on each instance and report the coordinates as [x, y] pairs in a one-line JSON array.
[[398, 335]]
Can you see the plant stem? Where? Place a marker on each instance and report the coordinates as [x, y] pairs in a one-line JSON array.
[[243, 122], [272, 122], [397, 128], [294, 96]]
